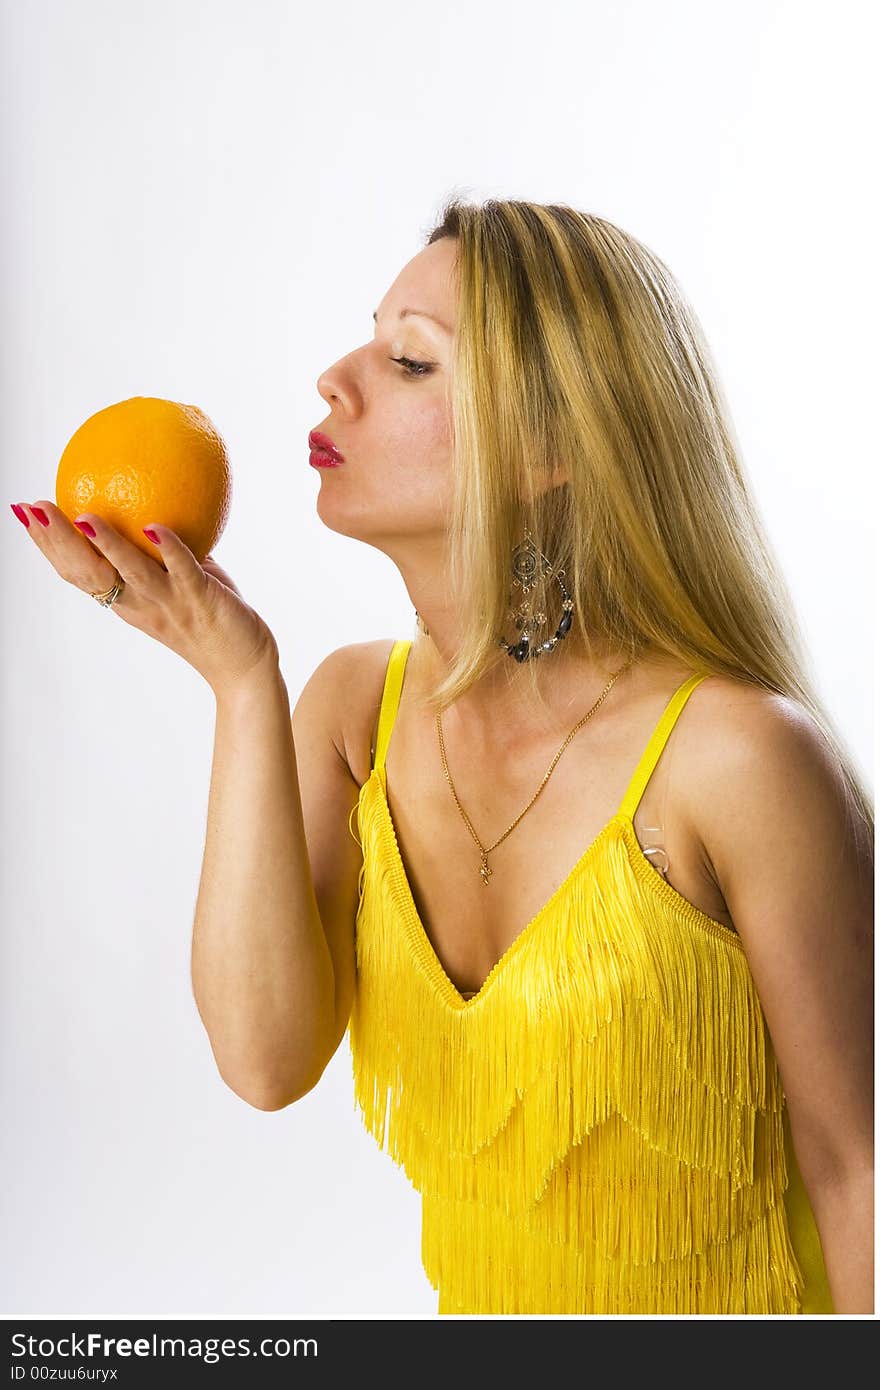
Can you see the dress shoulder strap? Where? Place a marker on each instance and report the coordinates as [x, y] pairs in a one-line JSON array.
[[657, 742], [390, 699]]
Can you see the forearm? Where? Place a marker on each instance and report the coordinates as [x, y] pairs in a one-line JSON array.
[[262, 973], [844, 1213]]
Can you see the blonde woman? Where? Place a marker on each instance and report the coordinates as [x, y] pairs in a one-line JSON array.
[[610, 1010], [601, 936]]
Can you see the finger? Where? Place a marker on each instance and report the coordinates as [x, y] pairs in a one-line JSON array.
[[145, 576], [181, 564], [120, 556], [138, 569], [210, 566], [66, 549]]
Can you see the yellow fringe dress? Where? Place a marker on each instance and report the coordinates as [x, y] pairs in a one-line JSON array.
[[601, 1127]]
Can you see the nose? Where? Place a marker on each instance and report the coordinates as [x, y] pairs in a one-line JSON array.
[[331, 385], [337, 385]]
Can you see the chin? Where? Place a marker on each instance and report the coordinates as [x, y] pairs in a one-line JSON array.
[[379, 526], [331, 510]]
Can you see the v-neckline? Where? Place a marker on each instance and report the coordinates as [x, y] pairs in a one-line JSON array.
[[419, 935], [635, 858]]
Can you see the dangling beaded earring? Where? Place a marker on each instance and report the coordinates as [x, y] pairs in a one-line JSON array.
[[529, 566]]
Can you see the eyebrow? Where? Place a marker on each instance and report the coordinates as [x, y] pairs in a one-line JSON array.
[[422, 313]]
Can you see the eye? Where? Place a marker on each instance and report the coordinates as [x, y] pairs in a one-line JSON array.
[[414, 368]]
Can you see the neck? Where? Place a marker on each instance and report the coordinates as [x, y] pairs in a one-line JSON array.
[[500, 702], [500, 708]]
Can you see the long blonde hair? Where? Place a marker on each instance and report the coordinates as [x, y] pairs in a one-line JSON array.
[[575, 345]]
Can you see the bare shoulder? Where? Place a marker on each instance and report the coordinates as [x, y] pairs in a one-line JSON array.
[[756, 756], [739, 722], [795, 868], [348, 684]]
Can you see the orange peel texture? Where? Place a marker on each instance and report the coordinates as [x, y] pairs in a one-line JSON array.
[[147, 460]]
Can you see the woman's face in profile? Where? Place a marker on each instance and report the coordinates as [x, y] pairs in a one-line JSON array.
[[390, 419]]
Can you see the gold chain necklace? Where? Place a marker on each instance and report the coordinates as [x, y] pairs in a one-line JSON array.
[[485, 871]]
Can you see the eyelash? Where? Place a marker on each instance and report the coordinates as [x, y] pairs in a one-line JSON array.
[[408, 364]]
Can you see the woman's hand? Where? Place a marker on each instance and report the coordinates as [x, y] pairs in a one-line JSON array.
[[194, 609]]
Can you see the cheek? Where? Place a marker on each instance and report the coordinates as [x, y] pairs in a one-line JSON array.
[[438, 422], [424, 432], [441, 423]]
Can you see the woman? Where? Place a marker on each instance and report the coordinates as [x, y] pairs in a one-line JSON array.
[[594, 1074], [602, 942]]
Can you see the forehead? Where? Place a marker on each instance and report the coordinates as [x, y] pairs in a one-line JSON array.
[[426, 285]]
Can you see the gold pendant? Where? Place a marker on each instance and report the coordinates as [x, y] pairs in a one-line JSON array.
[[485, 871]]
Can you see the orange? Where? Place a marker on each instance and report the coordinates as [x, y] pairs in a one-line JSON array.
[[144, 460]]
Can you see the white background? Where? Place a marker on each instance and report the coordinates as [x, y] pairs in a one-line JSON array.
[[206, 202]]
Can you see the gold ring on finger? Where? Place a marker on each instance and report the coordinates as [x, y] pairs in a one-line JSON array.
[[110, 596]]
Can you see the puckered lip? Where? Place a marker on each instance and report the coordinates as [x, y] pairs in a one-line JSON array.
[[323, 442]]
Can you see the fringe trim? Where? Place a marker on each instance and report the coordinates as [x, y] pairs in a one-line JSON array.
[[629, 1199], [609, 1095], [483, 1263]]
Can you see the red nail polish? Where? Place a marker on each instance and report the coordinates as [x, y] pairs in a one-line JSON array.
[[20, 513], [151, 535], [86, 527], [40, 515]]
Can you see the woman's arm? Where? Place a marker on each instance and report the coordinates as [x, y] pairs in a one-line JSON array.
[[797, 877], [261, 965]]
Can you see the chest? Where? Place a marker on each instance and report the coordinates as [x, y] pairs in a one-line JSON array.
[[471, 920]]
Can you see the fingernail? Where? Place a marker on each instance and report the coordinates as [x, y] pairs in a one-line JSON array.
[[20, 513], [151, 535], [40, 515], [86, 527]]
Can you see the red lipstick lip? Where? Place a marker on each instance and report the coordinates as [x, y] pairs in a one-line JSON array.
[[322, 443]]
